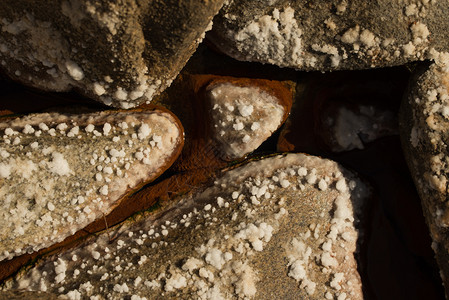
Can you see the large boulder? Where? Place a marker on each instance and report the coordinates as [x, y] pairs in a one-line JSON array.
[[121, 53], [283, 227], [329, 35], [424, 124]]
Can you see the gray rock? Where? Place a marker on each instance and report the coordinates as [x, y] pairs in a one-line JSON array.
[[283, 227], [121, 53], [424, 125], [331, 35], [60, 172]]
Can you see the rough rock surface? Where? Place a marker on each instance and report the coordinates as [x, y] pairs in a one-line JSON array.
[[398, 240], [121, 53], [19, 295], [424, 123], [243, 116], [330, 35], [206, 148], [281, 226], [54, 182]]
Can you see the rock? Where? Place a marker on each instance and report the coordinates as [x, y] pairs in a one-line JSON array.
[[59, 172], [18, 295], [330, 35], [206, 149], [121, 53], [424, 123], [243, 112], [283, 226], [197, 163], [398, 232]]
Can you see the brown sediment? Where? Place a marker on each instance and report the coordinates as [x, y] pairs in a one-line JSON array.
[[198, 152], [28, 295]]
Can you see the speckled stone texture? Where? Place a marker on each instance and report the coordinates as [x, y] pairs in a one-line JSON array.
[[424, 124], [282, 227], [60, 172], [19, 295], [121, 53], [331, 35]]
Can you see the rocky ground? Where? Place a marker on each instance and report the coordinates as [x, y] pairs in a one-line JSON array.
[[247, 177]]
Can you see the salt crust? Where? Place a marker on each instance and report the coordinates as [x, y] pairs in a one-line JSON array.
[[51, 56], [428, 134], [215, 239], [274, 38], [278, 37], [425, 120], [48, 51], [60, 172], [352, 130], [430, 118], [242, 117]]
